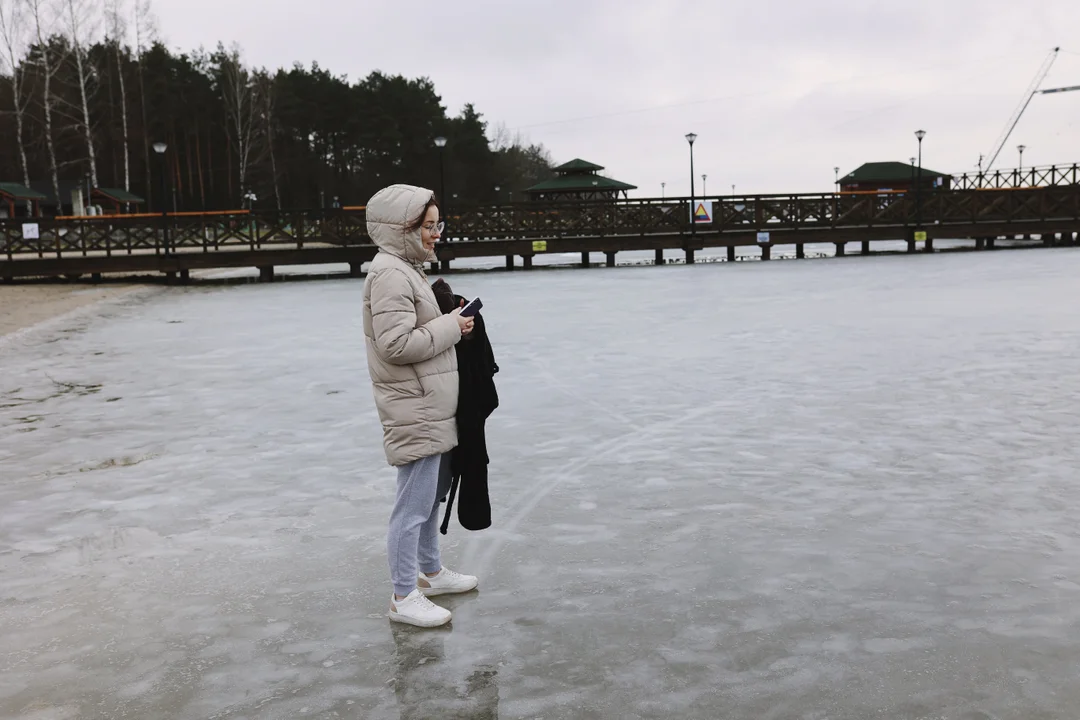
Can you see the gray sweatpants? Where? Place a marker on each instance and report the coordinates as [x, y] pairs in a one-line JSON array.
[[412, 542]]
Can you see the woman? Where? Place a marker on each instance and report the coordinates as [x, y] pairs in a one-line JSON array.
[[413, 367]]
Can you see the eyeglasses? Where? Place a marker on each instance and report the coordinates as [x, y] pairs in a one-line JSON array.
[[435, 228]]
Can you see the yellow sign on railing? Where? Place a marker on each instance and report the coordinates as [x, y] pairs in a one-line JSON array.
[[920, 236], [539, 246]]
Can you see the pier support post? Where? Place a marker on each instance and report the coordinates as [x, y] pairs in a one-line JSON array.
[[95, 277], [509, 262], [766, 252], [659, 256], [444, 266], [841, 249], [800, 251], [526, 262], [929, 244], [911, 244], [865, 247], [980, 243], [266, 273], [355, 269], [731, 253], [689, 256], [611, 259], [585, 258], [990, 243], [185, 276]]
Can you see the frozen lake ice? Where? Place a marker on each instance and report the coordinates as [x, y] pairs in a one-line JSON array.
[[822, 489]]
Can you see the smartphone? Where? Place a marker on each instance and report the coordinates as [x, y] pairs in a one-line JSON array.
[[472, 308]]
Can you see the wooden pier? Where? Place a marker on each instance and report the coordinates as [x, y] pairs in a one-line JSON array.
[[177, 244]]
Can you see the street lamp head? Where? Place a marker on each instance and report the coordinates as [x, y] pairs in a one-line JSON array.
[[160, 148], [912, 160], [497, 188], [440, 141], [691, 137], [920, 134], [1021, 148]]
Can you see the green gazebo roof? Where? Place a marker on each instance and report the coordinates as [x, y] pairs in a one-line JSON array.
[[578, 165], [119, 195], [580, 176], [575, 183], [21, 192], [886, 171]]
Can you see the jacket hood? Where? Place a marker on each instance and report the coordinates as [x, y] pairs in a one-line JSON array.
[[388, 213]]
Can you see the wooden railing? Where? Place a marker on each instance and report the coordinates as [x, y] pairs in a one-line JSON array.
[[297, 230], [1030, 177]]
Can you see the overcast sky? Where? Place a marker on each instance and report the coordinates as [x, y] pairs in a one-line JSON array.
[[779, 92]]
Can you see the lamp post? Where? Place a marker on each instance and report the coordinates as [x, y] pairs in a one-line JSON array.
[[836, 178], [160, 148], [497, 197], [704, 191], [920, 134], [690, 138], [1020, 169], [663, 191], [440, 142], [732, 189]]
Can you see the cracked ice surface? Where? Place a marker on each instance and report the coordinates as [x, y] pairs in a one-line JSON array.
[[831, 489]]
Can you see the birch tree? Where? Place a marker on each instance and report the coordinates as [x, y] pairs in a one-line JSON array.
[[114, 13], [241, 110], [80, 18], [43, 16], [144, 35], [265, 92], [13, 36]]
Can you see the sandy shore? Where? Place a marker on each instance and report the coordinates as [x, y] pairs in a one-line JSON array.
[[22, 306]]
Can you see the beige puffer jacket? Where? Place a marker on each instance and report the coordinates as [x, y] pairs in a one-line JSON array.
[[410, 343]]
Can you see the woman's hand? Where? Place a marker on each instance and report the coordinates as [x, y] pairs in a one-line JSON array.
[[465, 324]]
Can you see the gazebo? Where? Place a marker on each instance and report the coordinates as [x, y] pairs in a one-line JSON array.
[[14, 194], [579, 180], [116, 198], [891, 176]]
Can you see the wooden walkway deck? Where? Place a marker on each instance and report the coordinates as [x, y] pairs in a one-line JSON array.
[[180, 243]]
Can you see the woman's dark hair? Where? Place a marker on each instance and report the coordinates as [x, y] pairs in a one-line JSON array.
[[419, 221]]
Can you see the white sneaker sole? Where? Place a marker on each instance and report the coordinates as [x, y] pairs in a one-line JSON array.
[[433, 592], [417, 622]]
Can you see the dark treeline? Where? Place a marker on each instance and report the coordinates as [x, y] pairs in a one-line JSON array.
[[85, 95]]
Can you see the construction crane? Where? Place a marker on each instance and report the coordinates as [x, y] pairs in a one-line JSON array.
[[1032, 91]]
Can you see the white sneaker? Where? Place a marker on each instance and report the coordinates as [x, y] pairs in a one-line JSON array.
[[447, 581], [417, 610]]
